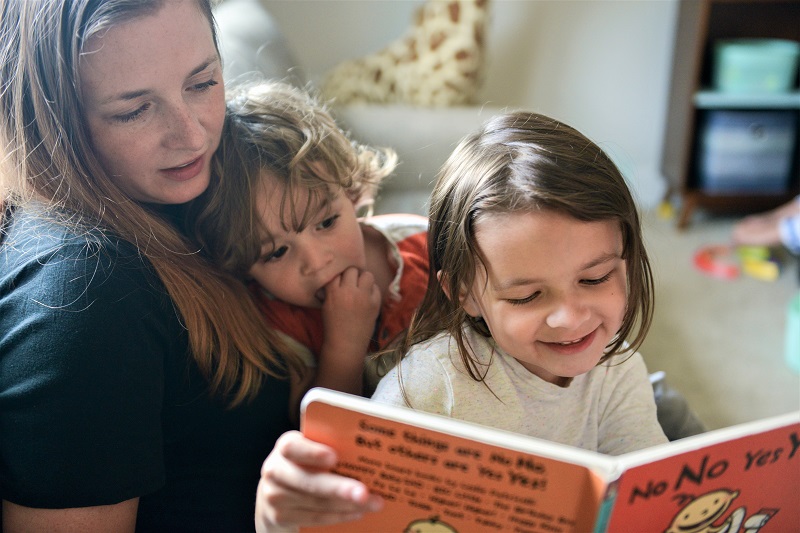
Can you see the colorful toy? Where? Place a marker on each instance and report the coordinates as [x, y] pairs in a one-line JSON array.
[[728, 262]]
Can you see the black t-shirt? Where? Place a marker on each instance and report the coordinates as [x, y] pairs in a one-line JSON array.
[[100, 400]]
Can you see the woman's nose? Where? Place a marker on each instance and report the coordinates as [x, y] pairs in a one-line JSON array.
[[184, 129]]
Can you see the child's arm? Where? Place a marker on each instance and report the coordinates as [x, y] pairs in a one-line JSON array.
[[352, 303]]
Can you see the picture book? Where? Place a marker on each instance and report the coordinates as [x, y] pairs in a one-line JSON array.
[[441, 475]]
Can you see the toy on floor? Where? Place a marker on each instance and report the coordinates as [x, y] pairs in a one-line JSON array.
[[728, 262], [793, 333], [439, 62]]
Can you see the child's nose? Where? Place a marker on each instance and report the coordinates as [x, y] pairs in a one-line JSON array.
[[568, 312], [314, 259]]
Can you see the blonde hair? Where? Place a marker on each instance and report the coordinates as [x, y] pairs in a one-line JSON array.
[[276, 128], [521, 162], [48, 158]]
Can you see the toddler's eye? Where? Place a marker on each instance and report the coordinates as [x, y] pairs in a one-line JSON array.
[[276, 254], [328, 222]]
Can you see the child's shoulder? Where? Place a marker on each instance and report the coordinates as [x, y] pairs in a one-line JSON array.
[[398, 223], [624, 366]]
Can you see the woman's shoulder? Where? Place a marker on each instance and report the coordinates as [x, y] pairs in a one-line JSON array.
[[66, 262], [30, 235]]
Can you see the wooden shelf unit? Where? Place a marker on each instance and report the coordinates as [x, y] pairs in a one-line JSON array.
[[700, 24]]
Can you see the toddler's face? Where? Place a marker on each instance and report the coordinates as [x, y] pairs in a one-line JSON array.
[[554, 292], [296, 266]]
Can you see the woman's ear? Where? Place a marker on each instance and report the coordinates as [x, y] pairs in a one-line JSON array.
[[465, 299]]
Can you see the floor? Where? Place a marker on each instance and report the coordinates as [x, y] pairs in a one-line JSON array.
[[722, 343]]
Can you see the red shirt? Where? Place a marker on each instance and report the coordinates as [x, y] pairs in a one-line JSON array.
[[407, 238]]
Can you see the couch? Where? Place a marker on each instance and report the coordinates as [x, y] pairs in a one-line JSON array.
[[253, 45]]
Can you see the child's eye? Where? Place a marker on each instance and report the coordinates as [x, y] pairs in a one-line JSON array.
[[204, 86], [328, 222], [522, 301], [133, 115], [275, 255], [597, 281]]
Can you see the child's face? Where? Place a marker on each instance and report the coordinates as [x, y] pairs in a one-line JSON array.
[[554, 293], [296, 267]]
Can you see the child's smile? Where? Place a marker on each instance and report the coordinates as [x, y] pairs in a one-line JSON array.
[[554, 290]]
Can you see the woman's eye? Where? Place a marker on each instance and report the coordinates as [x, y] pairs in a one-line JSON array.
[[204, 86], [522, 301], [133, 115], [328, 222], [597, 281]]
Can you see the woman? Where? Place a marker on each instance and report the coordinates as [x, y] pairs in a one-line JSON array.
[[139, 388]]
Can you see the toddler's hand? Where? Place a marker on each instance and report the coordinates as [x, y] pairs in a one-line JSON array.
[[352, 303]]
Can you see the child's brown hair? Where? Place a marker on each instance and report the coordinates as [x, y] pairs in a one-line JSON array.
[[275, 128], [522, 162]]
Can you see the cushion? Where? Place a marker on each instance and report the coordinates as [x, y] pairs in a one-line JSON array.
[[252, 44]]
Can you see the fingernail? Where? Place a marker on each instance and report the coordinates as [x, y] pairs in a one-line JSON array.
[[375, 504], [358, 493]]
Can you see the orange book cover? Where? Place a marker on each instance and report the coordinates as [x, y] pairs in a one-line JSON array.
[[441, 475], [742, 479]]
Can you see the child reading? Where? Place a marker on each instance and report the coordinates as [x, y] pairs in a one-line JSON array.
[[284, 214], [538, 277]]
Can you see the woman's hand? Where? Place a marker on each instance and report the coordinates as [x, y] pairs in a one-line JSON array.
[[298, 489]]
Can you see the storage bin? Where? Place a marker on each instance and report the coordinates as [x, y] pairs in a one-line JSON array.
[[755, 65], [746, 151]]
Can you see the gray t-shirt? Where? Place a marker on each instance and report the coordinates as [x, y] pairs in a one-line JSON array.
[[610, 409]]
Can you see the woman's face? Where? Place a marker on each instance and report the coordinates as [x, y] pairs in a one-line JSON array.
[[155, 102]]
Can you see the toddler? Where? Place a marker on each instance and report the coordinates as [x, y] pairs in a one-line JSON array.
[[284, 214]]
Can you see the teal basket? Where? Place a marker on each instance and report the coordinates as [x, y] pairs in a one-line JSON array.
[[755, 65], [793, 334]]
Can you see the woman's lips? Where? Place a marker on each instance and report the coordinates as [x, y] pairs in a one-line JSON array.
[[185, 172], [572, 347]]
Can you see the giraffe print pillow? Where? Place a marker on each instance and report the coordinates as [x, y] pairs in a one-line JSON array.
[[439, 62]]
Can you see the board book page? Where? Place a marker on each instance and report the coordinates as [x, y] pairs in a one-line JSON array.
[[441, 475]]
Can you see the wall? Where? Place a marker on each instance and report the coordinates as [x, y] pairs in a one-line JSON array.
[[602, 66]]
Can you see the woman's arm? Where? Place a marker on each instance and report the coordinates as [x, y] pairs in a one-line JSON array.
[[117, 518], [297, 488], [84, 341]]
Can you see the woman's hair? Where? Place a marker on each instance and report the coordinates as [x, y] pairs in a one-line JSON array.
[[275, 128], [46, 155], [518, 163]]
